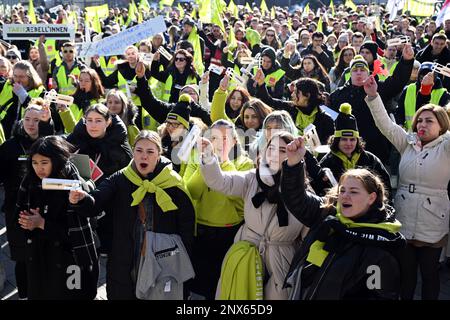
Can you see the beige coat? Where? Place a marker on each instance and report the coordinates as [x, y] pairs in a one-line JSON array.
[[276, 244], [421, 201]]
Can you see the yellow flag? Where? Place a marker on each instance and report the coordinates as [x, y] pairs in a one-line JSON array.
[[247, 6], [273, 14], [204, 11], [332, 7], [350, 4], [102, 12], [232, 42], [194, 39], [31, 13], [306, 10], [264, 8], [143, 5], [95, 23], [180, 8], [216, 8], [319, 24], [233, 9], [194, 13]]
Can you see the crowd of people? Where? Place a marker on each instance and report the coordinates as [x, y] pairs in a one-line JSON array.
[[320, 169]]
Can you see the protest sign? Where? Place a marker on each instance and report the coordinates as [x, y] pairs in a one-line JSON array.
[[116, 44], [34, 31], [55, 10]]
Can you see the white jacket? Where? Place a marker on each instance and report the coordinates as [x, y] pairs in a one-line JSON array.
[[277, 245], [421, 201]]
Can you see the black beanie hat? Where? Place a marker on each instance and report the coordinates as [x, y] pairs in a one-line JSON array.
[[372, 47], [181, 111], [346, 125]]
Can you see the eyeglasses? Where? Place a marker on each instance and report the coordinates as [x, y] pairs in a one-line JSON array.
[[181, 59], [270, 35], [174, 125], [67, 51], [11, 57]]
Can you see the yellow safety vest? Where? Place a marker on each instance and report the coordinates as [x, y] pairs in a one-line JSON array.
[[109, 67], [5, 96], [392, 68], [272, 78], [65, 84], [410, 102], [168, 86], [148, 122], [157, 86]]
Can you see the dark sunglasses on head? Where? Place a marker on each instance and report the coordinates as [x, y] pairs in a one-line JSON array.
[[68, 51], [180, 59]]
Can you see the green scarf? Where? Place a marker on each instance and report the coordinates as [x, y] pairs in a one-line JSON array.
[[304, 120], [317, 254], [348, 163], [167, 178], [241, 277]]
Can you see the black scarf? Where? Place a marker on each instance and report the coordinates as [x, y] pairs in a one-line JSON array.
[[272, 195]]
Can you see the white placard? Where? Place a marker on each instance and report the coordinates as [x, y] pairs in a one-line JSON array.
[[34, 31], [56, 9], [116, 44]]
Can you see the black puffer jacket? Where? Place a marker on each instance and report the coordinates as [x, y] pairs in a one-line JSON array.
[[361, 262], [116, 192], [388, 89], [113, 149]]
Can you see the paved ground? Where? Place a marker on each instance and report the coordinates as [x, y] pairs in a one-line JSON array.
[[10, 292]]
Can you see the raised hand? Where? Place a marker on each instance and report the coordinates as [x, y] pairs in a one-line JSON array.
[[140, 69], [371, 87], [428, 80], [205, 77], [296, 151], [45, 114], [408, 52], [224, 83], [259, 77]]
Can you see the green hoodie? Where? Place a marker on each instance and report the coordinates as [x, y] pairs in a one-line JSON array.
[[213, 208]]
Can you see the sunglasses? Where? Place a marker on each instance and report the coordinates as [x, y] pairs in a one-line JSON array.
[[172, 124], [270, 35], [11, 57], [181, 59], [68, 51]]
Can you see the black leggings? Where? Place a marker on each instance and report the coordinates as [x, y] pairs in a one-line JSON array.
[[21, 279], [428, 260]]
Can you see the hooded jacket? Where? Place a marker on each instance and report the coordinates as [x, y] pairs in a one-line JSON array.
[[340, 255], [426, 55], [113, 149], [116, 192], [277, 90]]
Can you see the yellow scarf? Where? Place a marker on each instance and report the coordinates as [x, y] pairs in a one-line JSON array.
[[304, 120], [167, 178], [348, 163]]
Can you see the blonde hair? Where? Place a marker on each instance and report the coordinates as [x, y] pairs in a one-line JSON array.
[[440, 114], [151, 136]]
